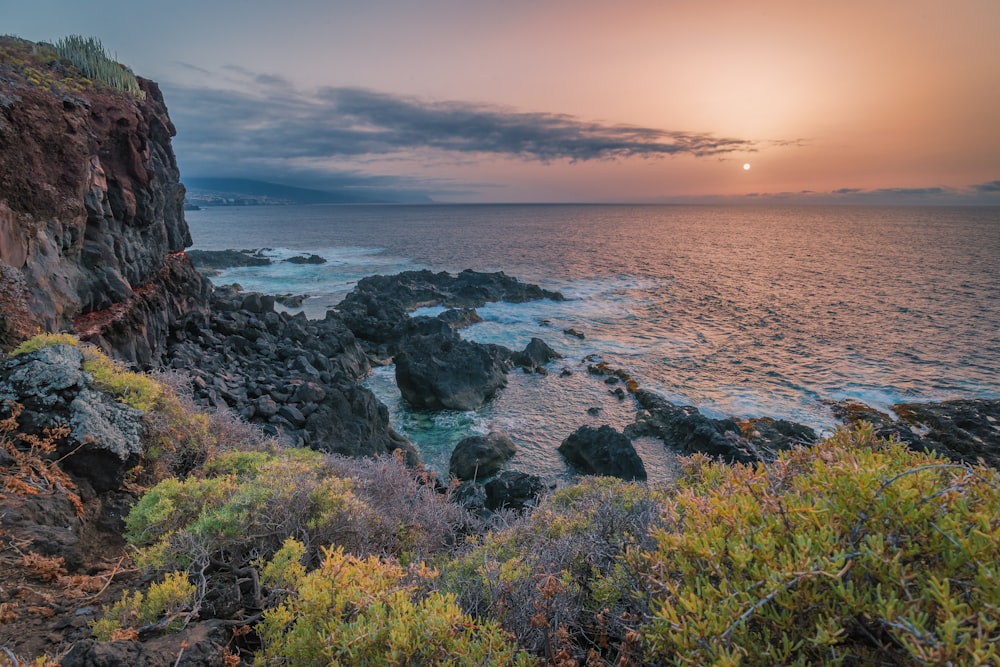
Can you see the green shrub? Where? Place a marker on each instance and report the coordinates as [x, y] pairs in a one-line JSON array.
[[854, 551], [247, 508], [248, 503], [353, 611], [88, 55], [167, 603], [44, 340]]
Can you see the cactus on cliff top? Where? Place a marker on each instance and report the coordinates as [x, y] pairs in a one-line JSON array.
[[89, 56]]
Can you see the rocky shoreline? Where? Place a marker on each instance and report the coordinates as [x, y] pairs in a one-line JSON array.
[[278, 370], [92, 248]]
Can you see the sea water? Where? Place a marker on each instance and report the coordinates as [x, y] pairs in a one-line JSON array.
[[739, 311]]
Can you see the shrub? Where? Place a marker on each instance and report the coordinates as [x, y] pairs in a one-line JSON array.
[[167, 605], [557, 578], [88, 55], [353, 611], [855, 551], [249, 502], [31, 468], [44, 340]]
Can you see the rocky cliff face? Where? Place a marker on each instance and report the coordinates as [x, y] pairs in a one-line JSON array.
[[92, 230]]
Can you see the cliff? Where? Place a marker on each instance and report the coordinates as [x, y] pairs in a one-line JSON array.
[[92, 230]]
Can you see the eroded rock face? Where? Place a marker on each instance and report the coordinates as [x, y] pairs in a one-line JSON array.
[[91, 207], [105, 436]]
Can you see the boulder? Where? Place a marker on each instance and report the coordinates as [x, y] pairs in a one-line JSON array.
[[352, 422], [105, 436], [513, 490], [481, 456], [445, 372], [603, 451], [535, 355], [471, 496], [113, 434]]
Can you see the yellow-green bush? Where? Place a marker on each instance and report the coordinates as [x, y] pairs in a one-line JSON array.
[[851, 552], [249, 505], [165, 603], [353, 611], [43, 340]]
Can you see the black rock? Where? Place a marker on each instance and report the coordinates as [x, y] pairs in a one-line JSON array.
[[535, 355], [352, 422], [774, 435], [471, 496], [445, 372], [224, 259], [513, 490], [960, 430], [686, 429], [306, 259], [481, 456], [603, 451]]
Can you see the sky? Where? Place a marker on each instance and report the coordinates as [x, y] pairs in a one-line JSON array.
[[876, 101]]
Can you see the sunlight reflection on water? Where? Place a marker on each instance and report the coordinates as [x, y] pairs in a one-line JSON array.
[[739, 311]]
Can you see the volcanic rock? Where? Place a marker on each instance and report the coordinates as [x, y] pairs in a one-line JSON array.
[[105, 436], [960, 430], [481, 456], [686, 429], [513, 490], [445, 372], [603, 451]]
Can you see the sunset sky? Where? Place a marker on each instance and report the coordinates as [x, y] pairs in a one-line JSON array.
[[570, 100]]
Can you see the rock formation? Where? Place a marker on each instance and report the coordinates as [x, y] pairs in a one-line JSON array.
[[104, 436], [603, 451], [481, 456], [91, 219]]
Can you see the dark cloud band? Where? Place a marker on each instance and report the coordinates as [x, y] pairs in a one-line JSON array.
[[277, 122]]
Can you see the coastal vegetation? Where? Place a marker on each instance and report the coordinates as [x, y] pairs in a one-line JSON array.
[[855, 550], [71, 65]]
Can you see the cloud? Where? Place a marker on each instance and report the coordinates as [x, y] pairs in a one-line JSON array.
[[910, 192], [990, 186], [267, 123]]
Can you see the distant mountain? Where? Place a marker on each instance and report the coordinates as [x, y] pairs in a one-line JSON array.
[[249, 192]]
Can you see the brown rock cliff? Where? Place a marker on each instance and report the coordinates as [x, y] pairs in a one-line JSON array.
[[92, 229]]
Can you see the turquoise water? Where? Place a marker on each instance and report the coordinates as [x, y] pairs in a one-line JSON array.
[[741, 311]]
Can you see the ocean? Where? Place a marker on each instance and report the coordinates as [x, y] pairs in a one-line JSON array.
[[738, 310]]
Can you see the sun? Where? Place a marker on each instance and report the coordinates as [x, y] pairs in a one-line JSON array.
[[746, 166]]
